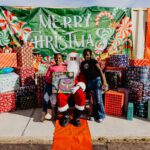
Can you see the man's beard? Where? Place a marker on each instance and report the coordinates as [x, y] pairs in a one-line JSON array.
[[73, 66]]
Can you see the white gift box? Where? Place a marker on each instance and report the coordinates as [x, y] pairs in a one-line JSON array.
[[9, 82]]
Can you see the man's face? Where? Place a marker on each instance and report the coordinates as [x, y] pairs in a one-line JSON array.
[[58, 59], [87, 55], [73, 58]]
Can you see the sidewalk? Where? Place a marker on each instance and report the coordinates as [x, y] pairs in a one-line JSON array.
[[24, 126]]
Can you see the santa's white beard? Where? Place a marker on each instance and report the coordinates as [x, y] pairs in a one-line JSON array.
[[73, 66]]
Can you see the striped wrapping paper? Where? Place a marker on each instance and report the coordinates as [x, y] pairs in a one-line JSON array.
[[7, 102], [9, 82], [26, 76], [141, 74], [119, 60], [8, 60], [139, 62], [24, 56]]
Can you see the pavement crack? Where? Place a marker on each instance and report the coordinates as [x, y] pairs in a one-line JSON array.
[[28, 123]]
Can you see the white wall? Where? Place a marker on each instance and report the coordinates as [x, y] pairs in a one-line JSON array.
[[139, 17]]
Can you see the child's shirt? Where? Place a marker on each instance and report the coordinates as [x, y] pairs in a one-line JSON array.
[[88, 67], [54, 68]]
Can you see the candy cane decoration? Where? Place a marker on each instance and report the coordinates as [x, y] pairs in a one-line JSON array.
[[128, 40], [102, 14]]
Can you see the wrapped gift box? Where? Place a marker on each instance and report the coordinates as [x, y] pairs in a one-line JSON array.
[[146, 91], [148, 116], [141, 74], [62, 82], [126, 98], [114, 78], [7, 102], [141, 109], [9, 82], [27, 102], [114, 103], [40, 84], [135, 91], [26, 76], [24, 56], [139, 62], [130, 111], [8, 60], [40, 96], [123, 73], [40, 81], [119, 60], [26, 91]]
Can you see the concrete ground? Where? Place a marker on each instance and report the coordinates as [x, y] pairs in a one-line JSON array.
[[24, 127]]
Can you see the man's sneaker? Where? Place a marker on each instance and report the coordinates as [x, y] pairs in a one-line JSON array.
[[76, 122], [64, 121], [48, 116]]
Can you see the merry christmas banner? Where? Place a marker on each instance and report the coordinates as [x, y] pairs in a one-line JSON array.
[[50, 30]]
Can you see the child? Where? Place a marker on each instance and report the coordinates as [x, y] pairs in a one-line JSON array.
[[94, 75], [49, 99]]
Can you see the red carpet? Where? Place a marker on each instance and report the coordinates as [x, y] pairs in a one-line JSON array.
[[71, 137]]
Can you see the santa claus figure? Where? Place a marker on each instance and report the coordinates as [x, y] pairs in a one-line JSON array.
[[73, 65]]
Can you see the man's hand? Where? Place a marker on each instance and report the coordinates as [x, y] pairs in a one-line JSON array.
[[74, 89]]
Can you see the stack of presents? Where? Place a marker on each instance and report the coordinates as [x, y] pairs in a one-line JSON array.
[[129, 87], [18, 88], [128, 80]]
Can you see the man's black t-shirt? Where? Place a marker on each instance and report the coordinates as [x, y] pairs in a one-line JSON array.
[[88, 67]]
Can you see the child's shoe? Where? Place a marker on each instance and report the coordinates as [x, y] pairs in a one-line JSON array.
[[100, 120], [48, 116]]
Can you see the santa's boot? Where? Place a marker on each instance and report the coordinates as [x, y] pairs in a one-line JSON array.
[[65, 119], [76, 118]]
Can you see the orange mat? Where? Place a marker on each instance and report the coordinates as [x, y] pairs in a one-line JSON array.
[[71, 137]]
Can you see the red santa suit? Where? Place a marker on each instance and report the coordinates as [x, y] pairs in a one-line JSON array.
[[73, 62]]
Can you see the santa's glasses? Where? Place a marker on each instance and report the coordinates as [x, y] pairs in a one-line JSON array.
[[73, 58]]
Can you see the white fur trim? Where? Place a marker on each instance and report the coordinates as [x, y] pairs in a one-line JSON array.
[[79, 107], [82, 85], [62, 109]]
